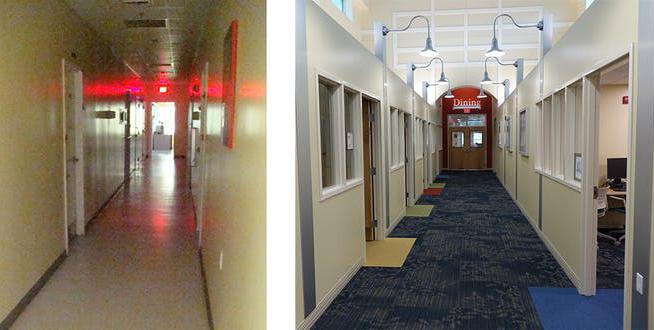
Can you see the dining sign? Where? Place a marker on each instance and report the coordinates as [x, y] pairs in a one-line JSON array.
[[466, 104]]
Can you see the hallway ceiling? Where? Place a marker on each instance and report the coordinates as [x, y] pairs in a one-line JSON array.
[[156, 38]]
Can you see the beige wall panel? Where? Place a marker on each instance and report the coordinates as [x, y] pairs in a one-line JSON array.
[[339, 238], [339, 220], [562, 221], [511, 154], [593, 39], [396, 194], [234, 224], [418, 188], [399, 94], [527, 189]]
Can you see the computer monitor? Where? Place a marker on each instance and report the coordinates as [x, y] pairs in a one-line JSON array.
[[616, 168]]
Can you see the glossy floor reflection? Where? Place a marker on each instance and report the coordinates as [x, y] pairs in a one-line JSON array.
[[136, 268]]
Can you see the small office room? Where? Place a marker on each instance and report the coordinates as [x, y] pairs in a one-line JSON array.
[[613, 111]]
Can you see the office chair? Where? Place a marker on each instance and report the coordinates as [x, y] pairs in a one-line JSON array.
[[603, 207]]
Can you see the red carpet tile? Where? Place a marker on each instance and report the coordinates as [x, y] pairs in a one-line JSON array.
[[433, 191]]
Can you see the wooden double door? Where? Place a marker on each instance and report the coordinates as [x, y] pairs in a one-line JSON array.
[[467, 148]]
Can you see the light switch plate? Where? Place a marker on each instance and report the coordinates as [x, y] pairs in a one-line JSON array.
[[639, 283]]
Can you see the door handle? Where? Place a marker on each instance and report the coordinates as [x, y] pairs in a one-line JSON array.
[[73, 159]]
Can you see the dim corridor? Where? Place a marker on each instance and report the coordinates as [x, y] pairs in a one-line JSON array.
[[138, 265]]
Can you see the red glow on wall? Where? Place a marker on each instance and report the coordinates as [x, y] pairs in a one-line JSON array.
[[253, 90]]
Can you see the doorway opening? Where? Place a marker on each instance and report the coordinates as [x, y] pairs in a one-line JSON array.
[[73, 94], [408, 167], [467, 141], [610, 90], [370, 113], [163, 127]]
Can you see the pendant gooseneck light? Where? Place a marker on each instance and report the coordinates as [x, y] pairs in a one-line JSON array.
[[429, 50], [495, 50], [443, 79]]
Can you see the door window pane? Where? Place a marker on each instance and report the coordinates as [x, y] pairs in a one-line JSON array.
[[458, 139], [352, 112], [327, 98], [477, 140]]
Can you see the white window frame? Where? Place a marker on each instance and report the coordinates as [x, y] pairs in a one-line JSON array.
[[555, 147], [341, 184], [523, 132], [417, 138]]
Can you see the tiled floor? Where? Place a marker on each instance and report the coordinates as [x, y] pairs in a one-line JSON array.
[[137, 267]]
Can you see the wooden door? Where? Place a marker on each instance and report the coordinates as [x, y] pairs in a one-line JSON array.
[[458, 145], [368, 168], [476, 158]]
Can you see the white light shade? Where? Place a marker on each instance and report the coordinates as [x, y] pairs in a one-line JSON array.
[[487, 80], [429, 49], [481, 95], [495, 50]]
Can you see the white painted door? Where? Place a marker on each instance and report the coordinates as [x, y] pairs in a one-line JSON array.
[[74, 143]]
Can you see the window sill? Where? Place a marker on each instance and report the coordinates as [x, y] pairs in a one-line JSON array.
[[337, 190], [574, 185]]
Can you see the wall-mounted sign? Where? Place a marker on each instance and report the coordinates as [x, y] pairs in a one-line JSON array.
[[625, 99], [466, 104]]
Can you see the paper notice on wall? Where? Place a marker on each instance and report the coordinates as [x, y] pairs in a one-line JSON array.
[[350, 141]]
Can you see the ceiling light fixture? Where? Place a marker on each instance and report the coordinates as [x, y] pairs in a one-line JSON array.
[[429, 50], [443, 80], [495, 50]]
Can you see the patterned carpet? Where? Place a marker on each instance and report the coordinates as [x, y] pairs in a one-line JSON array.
[[470, 268], [610, 264]]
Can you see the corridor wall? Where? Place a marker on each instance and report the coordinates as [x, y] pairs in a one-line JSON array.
[[32, 237], [338, 212], [552, 204], [234, 207]]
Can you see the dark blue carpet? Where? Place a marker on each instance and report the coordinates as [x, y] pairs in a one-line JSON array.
[[564, 308], [471, 266]]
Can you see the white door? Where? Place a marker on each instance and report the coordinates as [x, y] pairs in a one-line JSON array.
[[203, 131], [74, 158]]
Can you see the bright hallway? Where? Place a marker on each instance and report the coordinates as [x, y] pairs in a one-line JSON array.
[[137, 266]]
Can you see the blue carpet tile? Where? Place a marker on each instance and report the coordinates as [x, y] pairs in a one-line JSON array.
[[471, 266], [561, 308]]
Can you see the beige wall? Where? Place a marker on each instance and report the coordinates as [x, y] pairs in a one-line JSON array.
[[613, 126], [338, 219], [595, 36], [32, 219], [234, 216]]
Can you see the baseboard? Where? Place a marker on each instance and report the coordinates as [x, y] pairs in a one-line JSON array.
[[33, 291], [321, 307], [559, 258], [104, 205], [207, 302]]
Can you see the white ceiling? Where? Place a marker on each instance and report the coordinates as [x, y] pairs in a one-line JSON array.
[[145, 49]]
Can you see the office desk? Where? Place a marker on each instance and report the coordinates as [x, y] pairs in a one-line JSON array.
[[615, 193]]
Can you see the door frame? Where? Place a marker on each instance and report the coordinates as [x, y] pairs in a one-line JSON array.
[[72, 71], [378, 202], [590, 149], [409, 160]]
